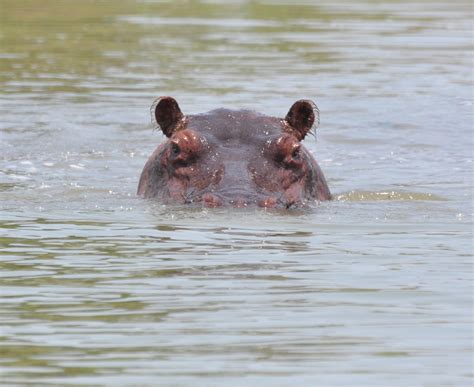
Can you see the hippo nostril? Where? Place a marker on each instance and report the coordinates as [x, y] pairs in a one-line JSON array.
[[239, 202], [211, 200], [268, 202]]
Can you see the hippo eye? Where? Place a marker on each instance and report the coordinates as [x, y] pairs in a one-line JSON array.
[[175, 149], [296, 153]]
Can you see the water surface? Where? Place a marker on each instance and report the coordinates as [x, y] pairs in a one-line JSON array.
[[99, 287]]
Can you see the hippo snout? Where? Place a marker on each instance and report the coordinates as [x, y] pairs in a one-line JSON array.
[[240, 200]]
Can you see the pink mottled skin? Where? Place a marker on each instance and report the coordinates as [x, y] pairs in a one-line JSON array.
[[234, 158]]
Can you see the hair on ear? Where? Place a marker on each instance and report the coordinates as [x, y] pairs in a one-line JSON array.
[[301, 117]]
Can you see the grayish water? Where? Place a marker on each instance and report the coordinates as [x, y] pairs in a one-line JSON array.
[[101, 287]]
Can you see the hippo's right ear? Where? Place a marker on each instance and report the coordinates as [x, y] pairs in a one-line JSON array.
[[166, 113]]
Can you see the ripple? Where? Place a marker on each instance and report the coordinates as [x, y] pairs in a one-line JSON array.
[[358, 196]]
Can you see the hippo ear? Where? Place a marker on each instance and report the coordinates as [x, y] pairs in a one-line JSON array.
[[166, 113], [301, 117]]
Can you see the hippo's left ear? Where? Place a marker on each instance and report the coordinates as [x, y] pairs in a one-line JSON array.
[[166, 113], [301, 117]]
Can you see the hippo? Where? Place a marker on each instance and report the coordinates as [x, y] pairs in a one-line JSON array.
[[234, 158]]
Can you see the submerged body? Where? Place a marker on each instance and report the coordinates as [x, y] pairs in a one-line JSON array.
[[233, 158]]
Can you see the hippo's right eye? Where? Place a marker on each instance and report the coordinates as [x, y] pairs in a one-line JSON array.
[[175, 149], [184, 148]]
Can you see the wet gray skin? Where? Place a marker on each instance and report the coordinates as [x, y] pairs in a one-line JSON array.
[[234, 158]]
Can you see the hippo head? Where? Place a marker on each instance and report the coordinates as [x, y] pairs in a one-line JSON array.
[[233, 158]]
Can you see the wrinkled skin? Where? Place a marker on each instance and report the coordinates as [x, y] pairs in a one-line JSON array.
[[233, 158]]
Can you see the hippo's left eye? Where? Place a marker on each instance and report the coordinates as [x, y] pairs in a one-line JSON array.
[[296, 154]]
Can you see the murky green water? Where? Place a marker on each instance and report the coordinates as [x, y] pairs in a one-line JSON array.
[[99, 287]]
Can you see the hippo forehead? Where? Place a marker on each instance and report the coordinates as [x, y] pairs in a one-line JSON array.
[[226, 126]]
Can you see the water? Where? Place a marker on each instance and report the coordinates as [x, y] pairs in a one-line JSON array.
[[99, 287]]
